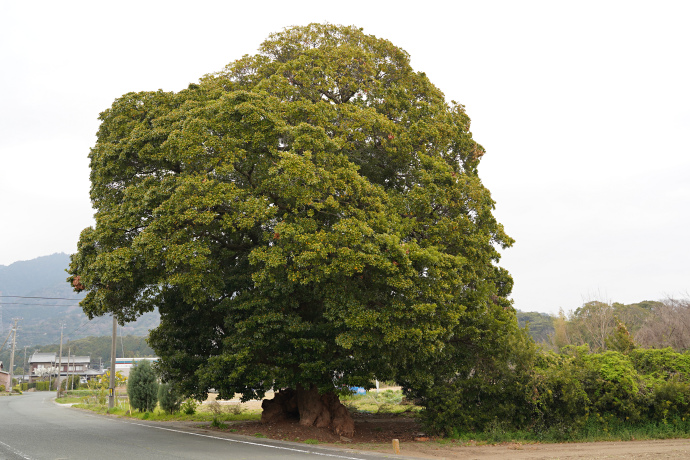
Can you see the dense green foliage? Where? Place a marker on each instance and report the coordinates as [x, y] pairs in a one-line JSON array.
[[169, 398], [142, 387], [312, 214], [564, 395]]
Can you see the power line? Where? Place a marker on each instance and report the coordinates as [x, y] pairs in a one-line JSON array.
[[44, 298], [38, 304]]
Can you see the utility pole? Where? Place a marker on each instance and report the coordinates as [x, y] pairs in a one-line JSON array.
[[24, 365], [2, 331], [62, 326], [69, 355], [14, 343], [111, 396]]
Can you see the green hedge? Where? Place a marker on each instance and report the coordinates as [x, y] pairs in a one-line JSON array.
[[566, 392]]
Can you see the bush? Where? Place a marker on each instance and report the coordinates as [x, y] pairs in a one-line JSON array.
[[169, 398], [562, 396], [142, 387], [496, 388], [2, 388], [42, 386], [189, 407], [70, 383]]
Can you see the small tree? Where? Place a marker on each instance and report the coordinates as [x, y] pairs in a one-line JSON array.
[[142, 387], [104, 381], [169, 398], [620, 340]]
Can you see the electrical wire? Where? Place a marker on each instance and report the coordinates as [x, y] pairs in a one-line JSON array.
[[43, 298], [38, 304]]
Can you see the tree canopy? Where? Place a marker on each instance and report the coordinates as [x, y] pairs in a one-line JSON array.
[[310, 215]]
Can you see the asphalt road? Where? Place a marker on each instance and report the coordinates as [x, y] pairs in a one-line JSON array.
[[33, 427]]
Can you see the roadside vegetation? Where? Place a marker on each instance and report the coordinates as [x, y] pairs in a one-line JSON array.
[[383, 402], [97, 401]]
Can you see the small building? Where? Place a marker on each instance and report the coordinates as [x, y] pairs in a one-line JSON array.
[[5, 380], [124, 365]]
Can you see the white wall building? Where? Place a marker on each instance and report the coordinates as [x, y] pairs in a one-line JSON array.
[[124, 365]]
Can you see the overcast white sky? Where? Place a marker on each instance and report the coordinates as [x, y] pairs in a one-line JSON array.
[[583, 108]]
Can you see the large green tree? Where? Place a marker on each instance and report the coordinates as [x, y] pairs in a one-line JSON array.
[[309, 217]]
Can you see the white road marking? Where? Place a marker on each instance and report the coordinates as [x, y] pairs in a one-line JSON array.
[[292, 449], [15, 451]]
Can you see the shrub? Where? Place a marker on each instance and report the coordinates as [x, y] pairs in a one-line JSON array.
[[215, 407], [70, 383], [558, 394], [2, 388], [169, 398], [142, 387], [496, 388], [189, 407], [218, 424]]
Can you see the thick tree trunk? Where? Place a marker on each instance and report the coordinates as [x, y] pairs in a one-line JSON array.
[[313, 409]]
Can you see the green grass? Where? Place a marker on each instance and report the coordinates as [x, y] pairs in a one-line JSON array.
[[592, 431], [159, 415], [70, 400], [89, 399], [384, 402]]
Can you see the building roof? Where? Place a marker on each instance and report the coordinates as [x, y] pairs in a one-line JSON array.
[[76, 359], [42, 358], [53, 358]]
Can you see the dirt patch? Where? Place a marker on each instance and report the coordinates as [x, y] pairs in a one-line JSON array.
[[629, 450], [368, 429]]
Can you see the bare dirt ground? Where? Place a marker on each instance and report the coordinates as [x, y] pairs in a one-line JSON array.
[[631, 450]]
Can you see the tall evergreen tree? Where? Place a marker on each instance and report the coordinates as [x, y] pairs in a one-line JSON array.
[[142, 387], [309, 217]]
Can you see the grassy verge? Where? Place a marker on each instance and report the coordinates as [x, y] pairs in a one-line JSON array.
[[384, 402], [161, 416], [97, 402]]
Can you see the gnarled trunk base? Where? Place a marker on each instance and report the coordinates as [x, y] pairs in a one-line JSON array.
[[313, 409]]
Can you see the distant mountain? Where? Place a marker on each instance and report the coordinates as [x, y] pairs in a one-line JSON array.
[[31, 277], [45, 277]]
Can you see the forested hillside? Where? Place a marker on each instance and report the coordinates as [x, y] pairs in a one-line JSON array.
[[649, 324], [41, 289]]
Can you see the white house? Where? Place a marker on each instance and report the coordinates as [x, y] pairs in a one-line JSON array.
[[124, 365]]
